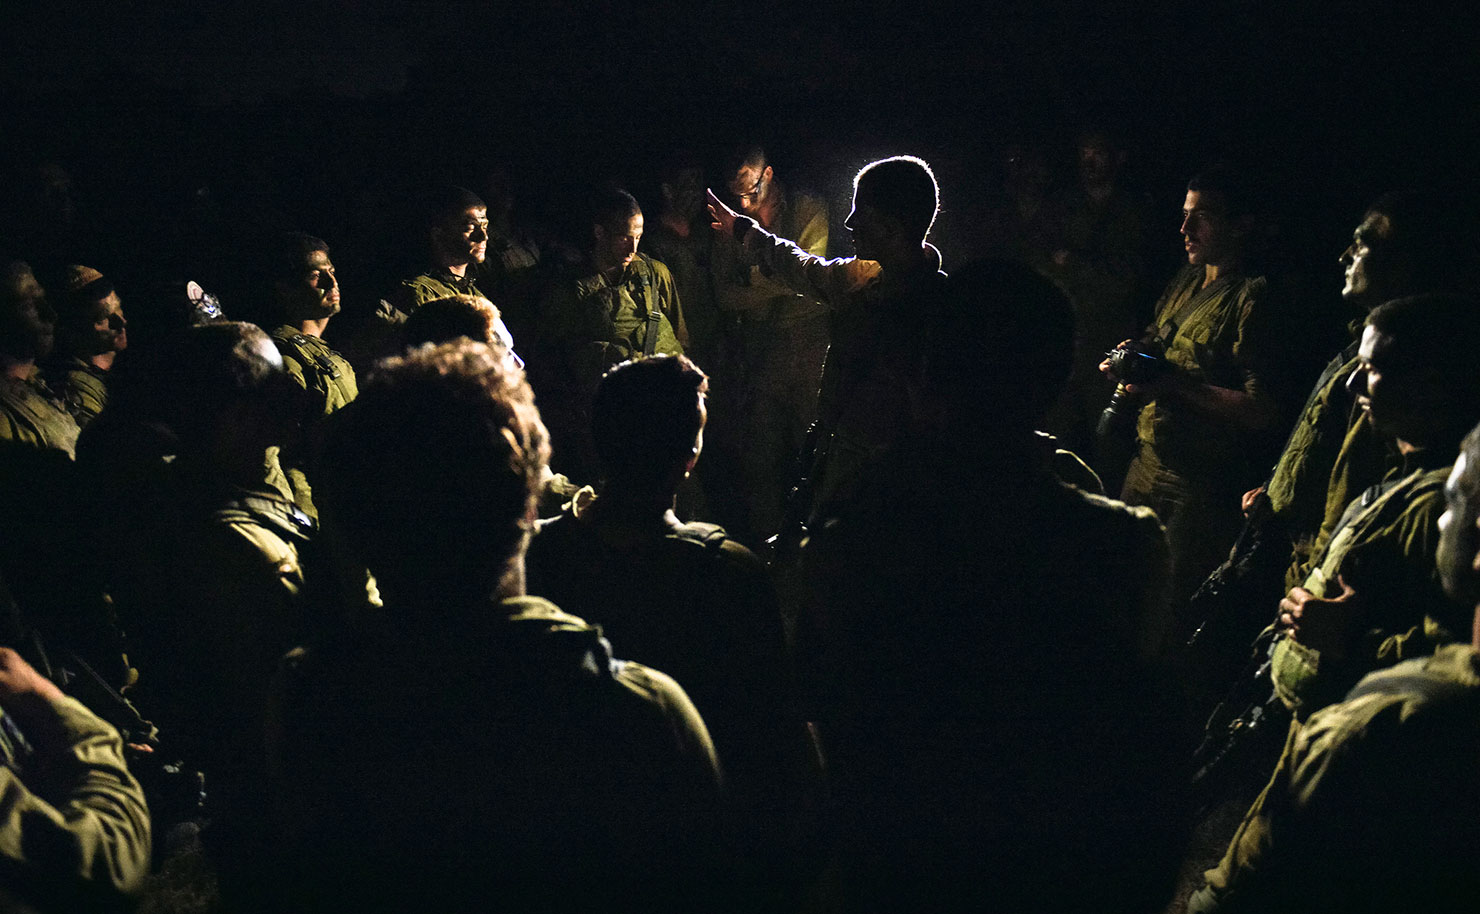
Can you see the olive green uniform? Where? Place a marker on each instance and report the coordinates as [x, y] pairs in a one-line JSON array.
[[81, 386], [1385, 551], [327, 382], [775, 341], [588, 324], [74, 830], [1188, 468], [380, 335], [1374, 805], [31, 416], [1362, 460]]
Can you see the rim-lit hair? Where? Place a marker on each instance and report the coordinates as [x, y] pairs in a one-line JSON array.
[[903, 187]]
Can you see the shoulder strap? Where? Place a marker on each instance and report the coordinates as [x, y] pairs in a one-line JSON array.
[[279, 516], [1418, 682]]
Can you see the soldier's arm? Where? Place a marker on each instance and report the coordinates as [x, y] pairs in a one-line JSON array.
[[831, 282], [669, 303], [812, 216], [82, 823]]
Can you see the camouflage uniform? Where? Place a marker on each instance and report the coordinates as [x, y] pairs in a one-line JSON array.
[[1373, 806]]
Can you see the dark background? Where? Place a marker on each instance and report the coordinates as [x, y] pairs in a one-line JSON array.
[[182, 124]]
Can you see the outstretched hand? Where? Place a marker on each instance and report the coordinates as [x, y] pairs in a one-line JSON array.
[[721, 216]]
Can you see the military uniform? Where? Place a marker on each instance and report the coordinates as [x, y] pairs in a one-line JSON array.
[[1385, 551], [74, 829], [328, 383], [1189, 469], [81, 386], [590, 323], [1363, 459], [30, 416], [1374, 805], [879, 323], [559, 779], [775, 340], [379, 335], [707, 613]]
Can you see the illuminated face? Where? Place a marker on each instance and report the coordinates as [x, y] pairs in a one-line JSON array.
[[869, 227], [1369, 262], [1458, 553], [750, 186], [109, 330], [616, 245], [26, 320], [464, 238], [1398, 399], [315, 293], [1210, 237]]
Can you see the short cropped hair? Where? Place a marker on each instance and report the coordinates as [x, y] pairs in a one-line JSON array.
[[903, 187], [1237, 188], [443, 320], [1437, 335], [646, 415], [432, 471], [208, 368], [612, 207], [439, 204]]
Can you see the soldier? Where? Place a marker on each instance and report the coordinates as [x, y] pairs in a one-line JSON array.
[[207, 562], [881, 300], [615, 306], [29, 415], [1418, 384], [91, 332], [705, 608], [455, 221], [1200, 417], [1375, 805], [559, 779], [774, 341], [305, 295]]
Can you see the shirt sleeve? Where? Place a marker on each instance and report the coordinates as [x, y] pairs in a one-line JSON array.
[[832, 282], [86, 820]]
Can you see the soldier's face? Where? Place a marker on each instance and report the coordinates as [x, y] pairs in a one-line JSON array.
[[1370, 267], [314, 292], [1458, 555], [616, 245], [464, 239], [1400, 400], [749, 186], [869, 228], [1209, 236], [26, 320], [109, 327]]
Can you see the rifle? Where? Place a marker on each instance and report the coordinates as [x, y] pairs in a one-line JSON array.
[[783, 548], [1249, 723]]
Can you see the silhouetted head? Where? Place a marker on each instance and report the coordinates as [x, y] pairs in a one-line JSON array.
[[472, 317], [432, 472], [1410, 242], [616, 228], [1000, 352], [648, 421], [26, 319], [1418, 379], [223, 389], [895, 202]]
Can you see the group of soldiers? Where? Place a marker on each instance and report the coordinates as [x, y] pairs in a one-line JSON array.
[[371, 593]]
